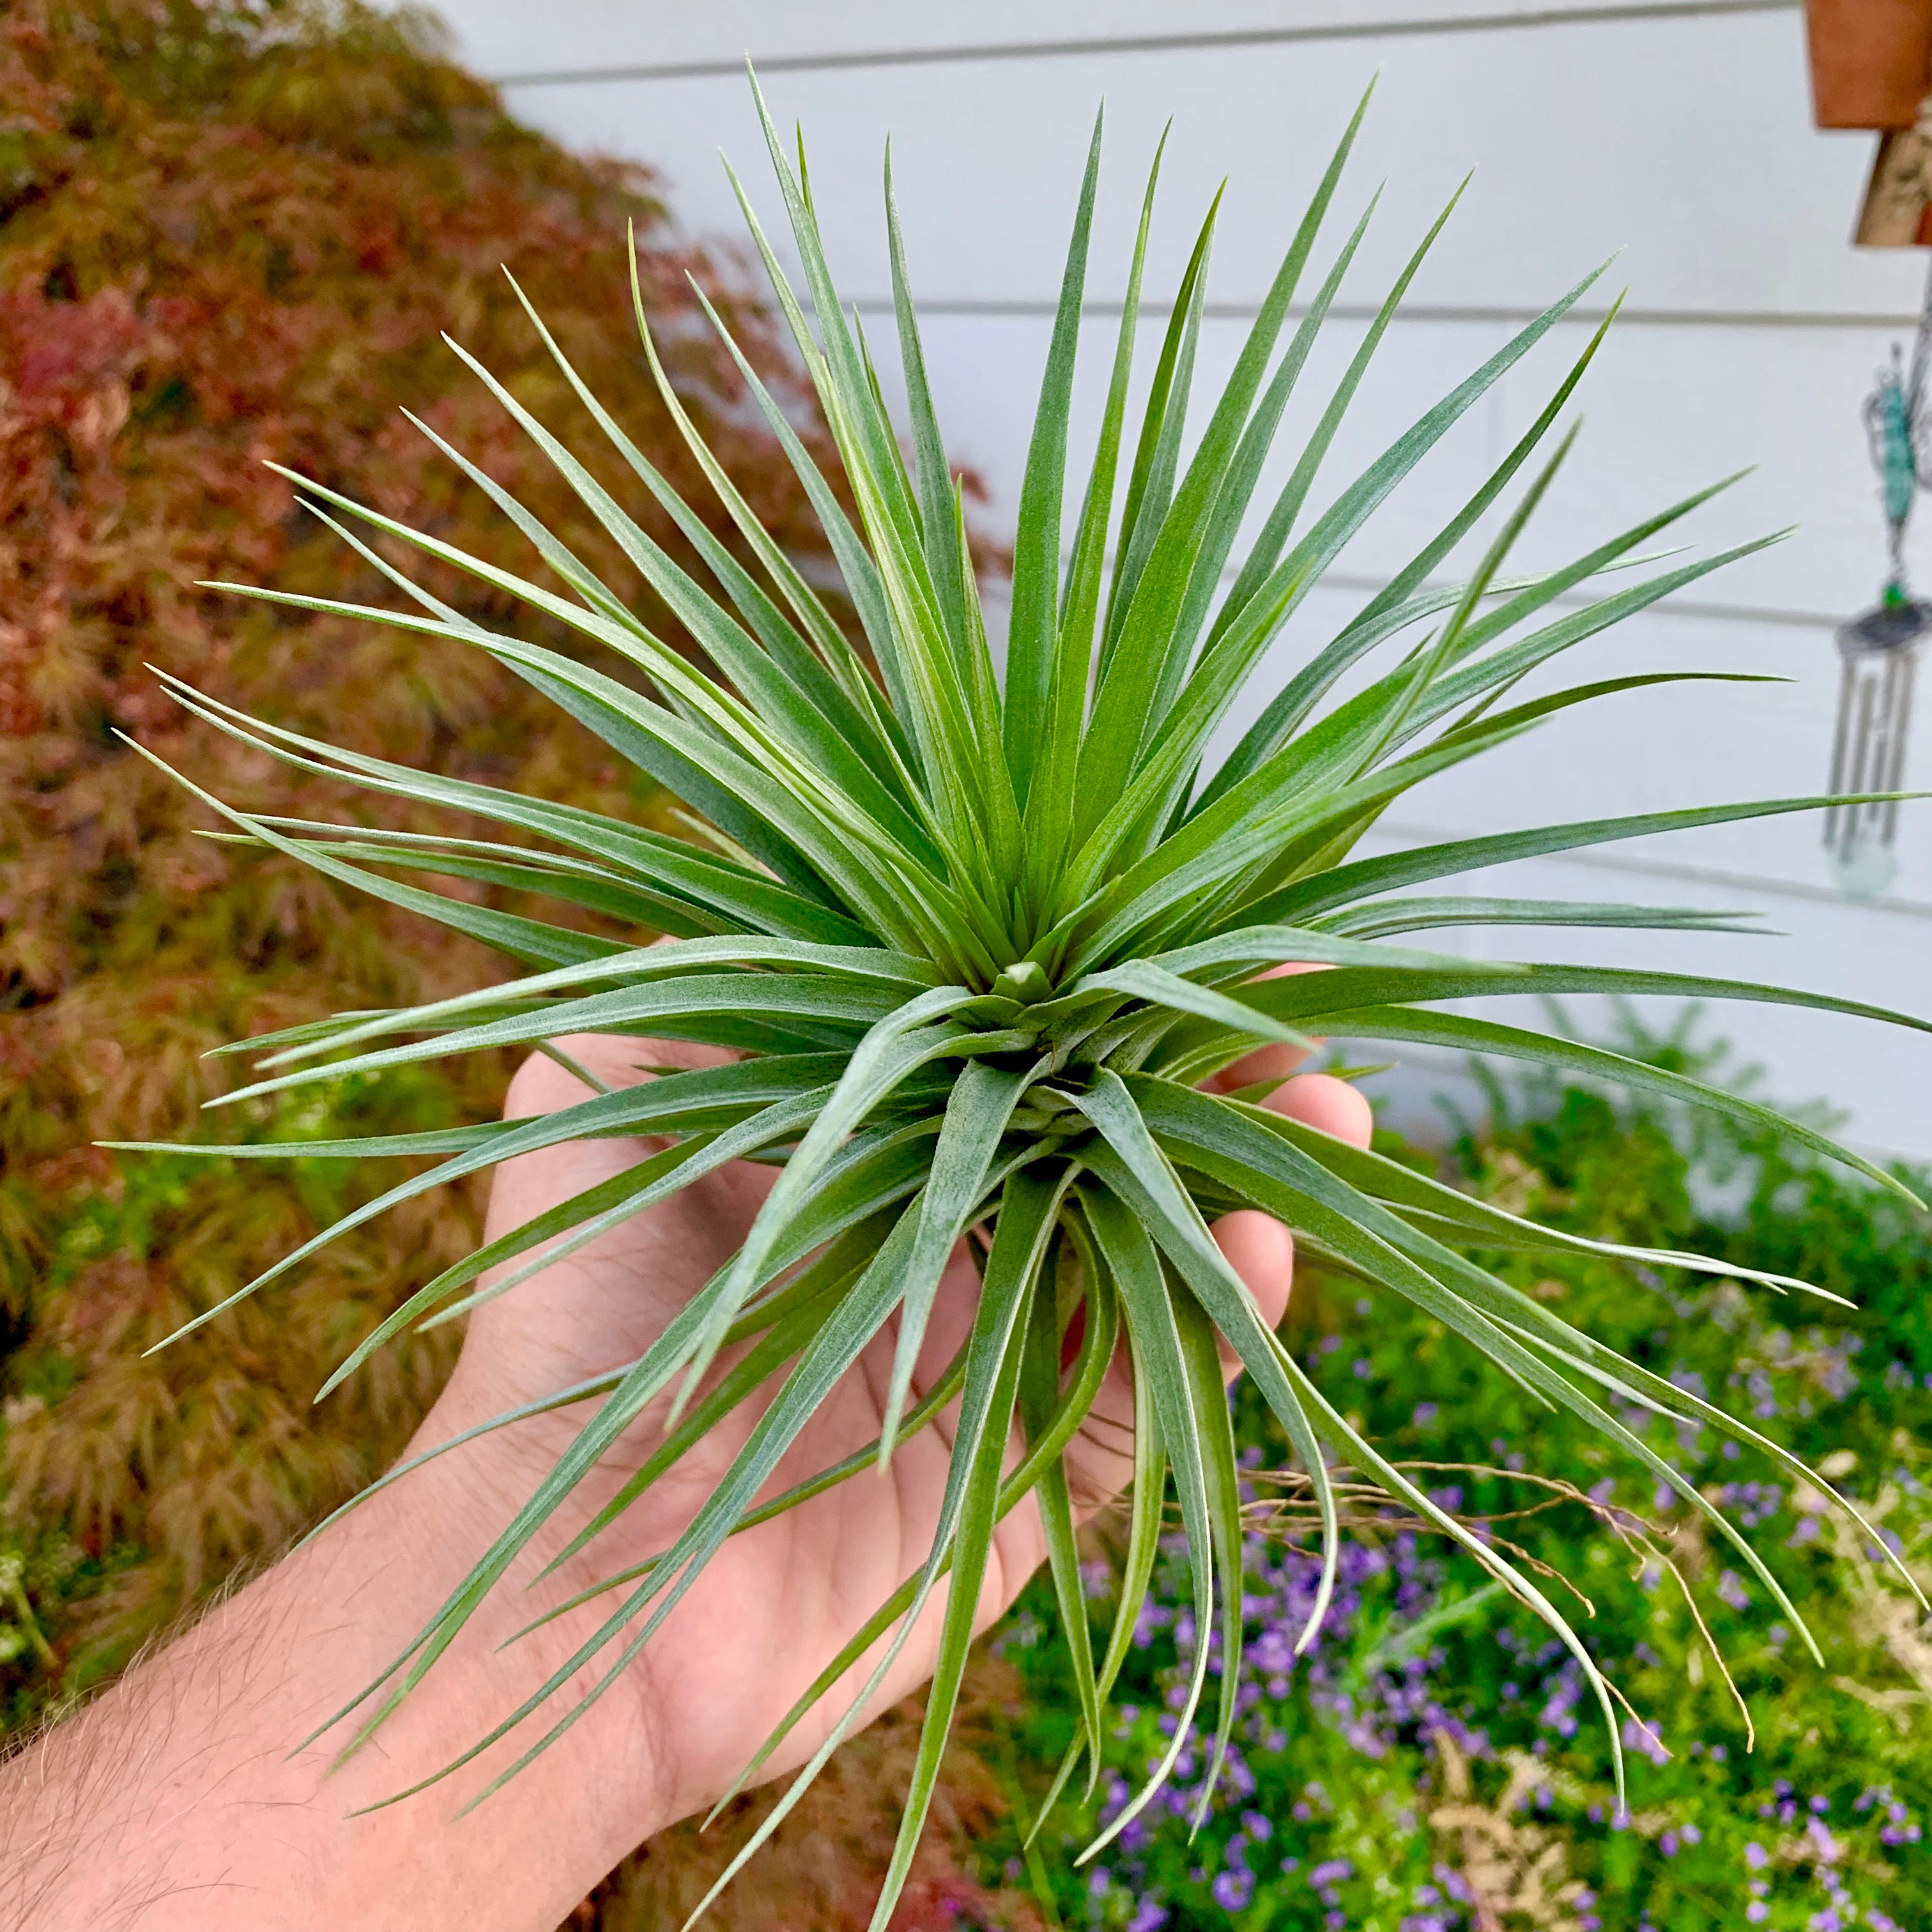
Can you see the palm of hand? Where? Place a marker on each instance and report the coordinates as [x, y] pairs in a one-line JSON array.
[[778, 1600]]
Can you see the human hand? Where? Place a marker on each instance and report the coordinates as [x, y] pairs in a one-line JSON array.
[[175, 1803], [779, 1600]]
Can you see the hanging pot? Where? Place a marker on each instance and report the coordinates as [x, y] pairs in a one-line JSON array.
[[1871, 61]]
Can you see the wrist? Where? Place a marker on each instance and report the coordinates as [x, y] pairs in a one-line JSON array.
[[181, 1799], [564, 1820]]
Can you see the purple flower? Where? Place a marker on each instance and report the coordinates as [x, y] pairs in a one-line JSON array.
[[1643, 1737], [1331, 1871], [1233, 1889]]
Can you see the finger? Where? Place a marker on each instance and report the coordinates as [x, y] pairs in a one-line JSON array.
[[543, 1085], [698, 1230], [1100, 1460], [1276, 1061], [1260, 1250], [525, 1186], [608, 1300], [1333, 1106]]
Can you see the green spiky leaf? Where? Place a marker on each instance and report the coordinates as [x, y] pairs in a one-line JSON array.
[[975, 944]]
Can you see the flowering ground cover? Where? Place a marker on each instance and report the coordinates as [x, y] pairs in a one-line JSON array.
[[1432, 1764]]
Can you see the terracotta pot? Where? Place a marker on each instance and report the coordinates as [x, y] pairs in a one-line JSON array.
[[1871, 61]]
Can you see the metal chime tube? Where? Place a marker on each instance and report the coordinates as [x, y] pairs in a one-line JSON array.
[[1879, 652]]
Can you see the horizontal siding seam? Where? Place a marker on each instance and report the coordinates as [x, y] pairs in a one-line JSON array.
[[1720, 877], [1631, 10], [1031, 308], [1451, 1078], [1706, 611]]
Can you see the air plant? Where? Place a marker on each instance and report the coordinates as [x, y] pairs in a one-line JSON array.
[[977, 932]]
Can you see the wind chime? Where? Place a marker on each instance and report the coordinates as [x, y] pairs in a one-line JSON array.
[[1870, 60], [1878, 650]]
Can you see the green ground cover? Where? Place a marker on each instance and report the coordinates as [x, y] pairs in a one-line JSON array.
[[1433, 1763]]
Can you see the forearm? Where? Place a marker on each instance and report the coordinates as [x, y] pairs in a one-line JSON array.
[[174, 1801]]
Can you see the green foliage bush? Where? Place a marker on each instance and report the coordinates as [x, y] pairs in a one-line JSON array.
[[230, 231], [1431, 1764]]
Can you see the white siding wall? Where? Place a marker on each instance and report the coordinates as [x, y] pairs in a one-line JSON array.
[[1677, 133]]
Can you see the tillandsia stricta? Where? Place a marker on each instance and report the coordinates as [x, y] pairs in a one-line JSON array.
[[977, 932]]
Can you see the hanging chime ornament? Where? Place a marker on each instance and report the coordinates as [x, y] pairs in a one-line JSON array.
[[1870, 63], [1878, 648]]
